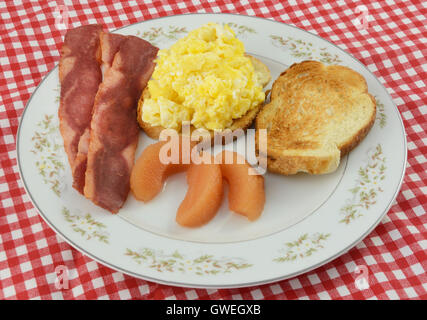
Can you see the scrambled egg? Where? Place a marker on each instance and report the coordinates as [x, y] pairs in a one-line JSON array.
[[203, 78]]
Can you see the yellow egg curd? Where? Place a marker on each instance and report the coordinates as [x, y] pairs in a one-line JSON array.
[[204, 78]]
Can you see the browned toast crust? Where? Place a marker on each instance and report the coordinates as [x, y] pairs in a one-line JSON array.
[[353, 143], [290, 148]]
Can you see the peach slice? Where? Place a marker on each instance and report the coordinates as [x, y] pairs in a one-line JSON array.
[[246, 194], [149, 173], [204, 195]]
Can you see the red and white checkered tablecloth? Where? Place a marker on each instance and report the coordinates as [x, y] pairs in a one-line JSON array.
[[395, 252]]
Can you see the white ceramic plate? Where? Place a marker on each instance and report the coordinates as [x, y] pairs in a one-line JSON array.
[[307, 220]]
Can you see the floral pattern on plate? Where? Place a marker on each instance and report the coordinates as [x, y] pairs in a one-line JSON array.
[[201, 265], [367, 187], [303, 247], [173, 33], [155, 34], [241, 30], [304, 49], [86, 225], [49, 157], [381, 117]]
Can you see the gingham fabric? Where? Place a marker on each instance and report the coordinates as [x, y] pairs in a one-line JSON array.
[[393, 47]]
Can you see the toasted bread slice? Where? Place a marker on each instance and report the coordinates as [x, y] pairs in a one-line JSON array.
[[241, 123], [316, 115]]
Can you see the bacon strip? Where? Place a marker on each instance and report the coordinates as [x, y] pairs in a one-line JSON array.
[[114, 128], [110, 44], [80, 75]]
